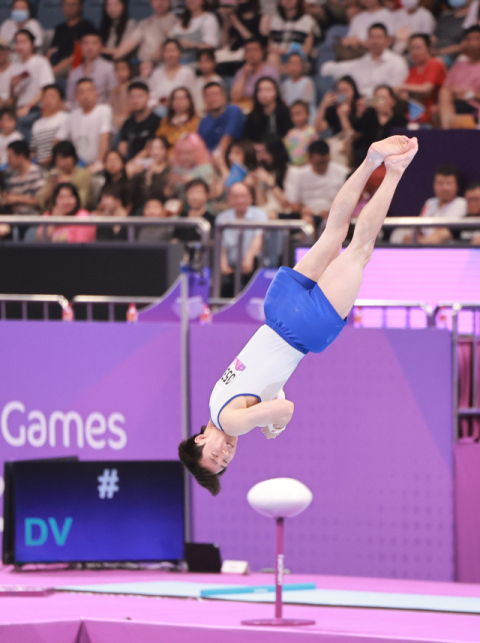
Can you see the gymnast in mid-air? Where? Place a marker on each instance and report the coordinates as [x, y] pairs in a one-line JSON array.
[[305, 310]]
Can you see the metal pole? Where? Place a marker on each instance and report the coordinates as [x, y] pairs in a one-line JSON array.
[[475, 362], [279, 567], [217, 251], [456, 427], [238, 264], [184, 356]]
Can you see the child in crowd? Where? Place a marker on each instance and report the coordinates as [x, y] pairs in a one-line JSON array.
[[297, 86], [155, 234], [8, 123], [299, 138], [119, 94], [205, 74]]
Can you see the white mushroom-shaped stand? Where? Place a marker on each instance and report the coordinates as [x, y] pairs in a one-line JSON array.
[[279, 498]]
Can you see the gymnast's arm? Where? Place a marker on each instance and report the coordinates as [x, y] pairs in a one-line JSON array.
[[238, 420]]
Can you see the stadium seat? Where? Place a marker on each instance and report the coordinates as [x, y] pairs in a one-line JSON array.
[[50, 13], [140, 9]]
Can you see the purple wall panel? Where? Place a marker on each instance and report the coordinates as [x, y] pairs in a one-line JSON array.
[[371, 436], [467, 498], [129, 370]]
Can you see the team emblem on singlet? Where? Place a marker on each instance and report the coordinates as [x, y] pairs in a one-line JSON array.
[[231, 372]]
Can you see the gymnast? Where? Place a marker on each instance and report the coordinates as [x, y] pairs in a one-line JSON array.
[[305, 310]]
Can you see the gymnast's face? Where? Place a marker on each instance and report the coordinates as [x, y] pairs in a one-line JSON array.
[[218, 448]]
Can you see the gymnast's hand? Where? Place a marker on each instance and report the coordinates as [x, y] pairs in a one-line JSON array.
[[267, 434]]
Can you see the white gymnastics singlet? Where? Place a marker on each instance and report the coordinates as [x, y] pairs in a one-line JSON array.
[[260, 370]]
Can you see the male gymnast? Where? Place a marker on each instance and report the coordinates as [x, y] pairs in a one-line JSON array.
[[305, 310]]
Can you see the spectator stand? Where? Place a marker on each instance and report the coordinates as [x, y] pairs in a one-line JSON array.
[[49, 13]]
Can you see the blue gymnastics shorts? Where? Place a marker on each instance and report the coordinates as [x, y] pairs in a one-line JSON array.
[[296, 309]]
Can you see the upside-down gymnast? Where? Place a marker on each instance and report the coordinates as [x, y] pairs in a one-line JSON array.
[[305, 310]]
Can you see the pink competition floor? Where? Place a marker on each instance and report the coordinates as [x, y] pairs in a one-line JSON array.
[[89, 618]]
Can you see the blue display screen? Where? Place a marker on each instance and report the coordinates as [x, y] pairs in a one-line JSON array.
[[98, 511]]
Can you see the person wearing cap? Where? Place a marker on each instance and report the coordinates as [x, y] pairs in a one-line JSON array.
[[7, 71]]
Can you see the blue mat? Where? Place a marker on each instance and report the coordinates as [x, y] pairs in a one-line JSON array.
[[325, 597]]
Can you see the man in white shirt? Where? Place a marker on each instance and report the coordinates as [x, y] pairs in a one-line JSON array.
[[312, 188], [379, 67], [101, 71], [374, 13], [88, 127], [31, 74], [44, 131], [446, 203]]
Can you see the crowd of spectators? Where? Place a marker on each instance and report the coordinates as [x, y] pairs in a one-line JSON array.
[[226, 109]]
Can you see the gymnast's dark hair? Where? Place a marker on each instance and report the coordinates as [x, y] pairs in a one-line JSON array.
[[190, 454]]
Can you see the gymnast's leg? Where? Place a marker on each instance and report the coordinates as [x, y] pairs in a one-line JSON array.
[[342, 279], [329, 245]]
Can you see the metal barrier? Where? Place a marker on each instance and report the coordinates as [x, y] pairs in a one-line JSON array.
[[266, 226], [26, 299], [384, 305], [467, 223], [90, 300], [17, 221], [472, 411]]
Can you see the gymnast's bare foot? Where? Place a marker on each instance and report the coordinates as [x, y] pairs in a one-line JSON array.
[[402, 161], [393, 145]]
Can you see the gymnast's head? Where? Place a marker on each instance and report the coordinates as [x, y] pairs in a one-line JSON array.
[[207, 455]]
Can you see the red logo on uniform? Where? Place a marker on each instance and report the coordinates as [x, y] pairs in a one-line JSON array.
[[238, 365]]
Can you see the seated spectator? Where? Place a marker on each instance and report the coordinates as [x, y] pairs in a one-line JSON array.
[[112, 204], [66, 203], [171, 74], [152, 174], [269, 115], [44, 131], [8, 132], [181, 118], [67, 35], [223, 123], [196, 195], [88, 127], [472, 197], [30, 75], [254, 68], [290, 24], [425, 78], [449, 31], [191, 160], [240, 22], [301, 135], [378, 121], [206, 70], [361, 23], [197, 29], [116, 27], [236, 166], [150, 33], [379, 66], [269, 177], [240, 201], [21, 18], [297, 86], [7, 71], [119, 94], [411, 19], [115, 174], [446, 203], [141, 125], [460, 93], [99, 70], [312, 188], [155, 234], [66, 170], [340, 109], [23, 181]]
